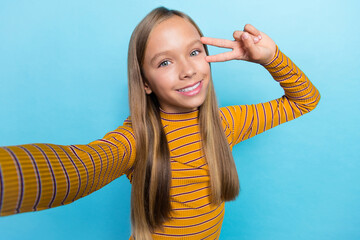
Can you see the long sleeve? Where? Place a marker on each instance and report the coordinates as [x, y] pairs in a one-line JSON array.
[[245, 121], [40, 176]]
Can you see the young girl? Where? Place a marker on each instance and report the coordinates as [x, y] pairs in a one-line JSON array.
[[176, 146]]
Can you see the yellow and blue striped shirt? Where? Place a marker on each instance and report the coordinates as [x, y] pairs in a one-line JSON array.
[[34, 177]]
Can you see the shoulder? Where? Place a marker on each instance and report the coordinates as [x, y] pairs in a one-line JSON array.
[[127, 122], [123, 133], [229, 113], [126, 128]]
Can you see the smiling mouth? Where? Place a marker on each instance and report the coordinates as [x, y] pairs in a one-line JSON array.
[[194, 90], [189, 89]]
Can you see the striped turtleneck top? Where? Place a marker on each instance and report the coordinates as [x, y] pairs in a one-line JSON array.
[[35, 177]]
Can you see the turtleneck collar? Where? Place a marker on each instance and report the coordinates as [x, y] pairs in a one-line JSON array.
[[190, 117]]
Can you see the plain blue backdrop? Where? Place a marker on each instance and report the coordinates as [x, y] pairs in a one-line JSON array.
[[63, 80]]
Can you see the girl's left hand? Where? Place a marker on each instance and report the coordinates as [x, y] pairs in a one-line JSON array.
[[249, 45]]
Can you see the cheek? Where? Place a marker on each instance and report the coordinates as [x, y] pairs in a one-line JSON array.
[[161, 81], [156, 77], [204, 68]]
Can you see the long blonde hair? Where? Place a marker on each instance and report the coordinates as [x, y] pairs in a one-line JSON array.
[[150, 195]]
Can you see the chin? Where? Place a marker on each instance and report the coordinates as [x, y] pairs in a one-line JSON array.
[[198, 104]]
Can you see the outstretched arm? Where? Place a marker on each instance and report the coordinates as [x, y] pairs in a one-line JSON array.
[[40, 176], [246, 121]]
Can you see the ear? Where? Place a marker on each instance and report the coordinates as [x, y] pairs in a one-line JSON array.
[[147, 88]]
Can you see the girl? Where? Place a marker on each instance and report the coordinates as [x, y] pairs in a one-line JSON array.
[[176, 146]]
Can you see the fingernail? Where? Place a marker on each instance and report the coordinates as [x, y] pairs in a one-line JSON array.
[[256, 39], [260, 37], [246, 36]]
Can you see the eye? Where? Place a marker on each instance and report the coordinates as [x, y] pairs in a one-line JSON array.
[[164, 63], [195, 52]]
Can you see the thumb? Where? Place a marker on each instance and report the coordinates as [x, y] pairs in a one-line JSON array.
[[252, 53], [247, 40], [239, 34]]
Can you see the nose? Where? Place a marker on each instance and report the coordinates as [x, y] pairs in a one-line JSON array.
[[187, 69]]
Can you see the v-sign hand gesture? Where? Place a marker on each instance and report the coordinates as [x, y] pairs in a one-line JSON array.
[[249, 45]]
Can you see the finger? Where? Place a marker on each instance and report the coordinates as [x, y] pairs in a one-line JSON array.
[[221, 57], [247, 40], [224, 43], [237, 36], [251, 29], [252, 51]]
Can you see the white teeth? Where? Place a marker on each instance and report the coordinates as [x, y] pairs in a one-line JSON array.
[[189, 88]]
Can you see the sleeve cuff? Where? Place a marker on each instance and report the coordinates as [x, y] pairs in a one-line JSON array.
[[273, 62]]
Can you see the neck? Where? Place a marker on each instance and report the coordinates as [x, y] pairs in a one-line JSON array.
[[179, 118]]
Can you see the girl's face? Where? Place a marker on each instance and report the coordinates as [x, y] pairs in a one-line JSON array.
[[174, 66]]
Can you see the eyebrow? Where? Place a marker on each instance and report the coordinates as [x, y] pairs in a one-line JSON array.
[[166, 52]]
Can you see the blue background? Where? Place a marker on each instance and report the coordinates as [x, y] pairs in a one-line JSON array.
[[63, 80]]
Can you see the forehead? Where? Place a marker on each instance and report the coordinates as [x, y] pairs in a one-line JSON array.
[[170, 34]]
